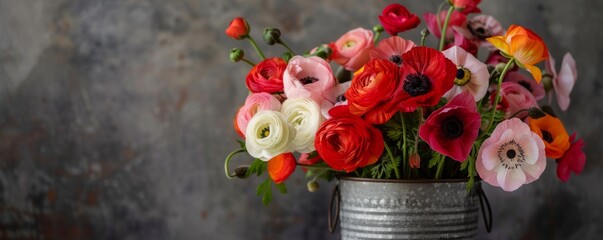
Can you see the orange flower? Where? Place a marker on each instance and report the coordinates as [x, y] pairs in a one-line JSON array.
[[524, 46], [552, 131], [238, 28], [281, 167]]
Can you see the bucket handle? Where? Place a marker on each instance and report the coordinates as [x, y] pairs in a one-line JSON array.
[[333, 223], [483, 198]]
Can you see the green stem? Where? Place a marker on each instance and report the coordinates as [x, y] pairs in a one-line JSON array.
[[405, 162], [441, 161], [376, 39], [255, 46], [444, 28], [439, 24], [227, 161], [287, 47], [248, 62], [497, 99], [518, 112], [424, 35], [391, 157]]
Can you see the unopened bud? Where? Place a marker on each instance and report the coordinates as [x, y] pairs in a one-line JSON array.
[[241, 172], [323, 51], [378, 28], [236, 54], [547, 81], [415, 160], [272, 36], [313, 186]]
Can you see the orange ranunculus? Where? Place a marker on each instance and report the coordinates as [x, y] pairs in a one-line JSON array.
[[281, 167], [236, 126], [372, 89], [267, 76], [347, 142], [238, 28], [524, 46], [552, 131]]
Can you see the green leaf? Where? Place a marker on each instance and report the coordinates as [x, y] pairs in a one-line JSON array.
[[257, 167], [241, 143], [282, 188], [549, 110], [267, 197], [536, 113], [265, 190]]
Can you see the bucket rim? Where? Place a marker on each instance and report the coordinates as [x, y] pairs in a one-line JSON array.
[[415, 181]]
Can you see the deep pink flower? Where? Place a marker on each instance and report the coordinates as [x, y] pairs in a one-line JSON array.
[[352, 48], [456, 19], [565, 80], [392, 49], [512, 156], [527, 82], [452, 129], [514, 98], [572, 161], [308, 77], [395, 18], [463, 42], [254, 103]]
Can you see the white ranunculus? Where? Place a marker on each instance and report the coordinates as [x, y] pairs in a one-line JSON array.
[[305, 116], [268, 135]]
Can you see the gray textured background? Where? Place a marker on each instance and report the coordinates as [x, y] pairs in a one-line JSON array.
[[115, 117]]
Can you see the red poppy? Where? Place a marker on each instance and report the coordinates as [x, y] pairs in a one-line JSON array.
[[267, 76], [572, 161], [395, 18], [238, 28], [452, 129], [347, 142], [426, 74], [372, 89], [281, 167]]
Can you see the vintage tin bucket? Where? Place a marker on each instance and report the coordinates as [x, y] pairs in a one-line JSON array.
[[404, 209]]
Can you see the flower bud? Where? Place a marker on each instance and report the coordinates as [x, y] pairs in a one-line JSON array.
[[323, 51], [547, 81], [415, 160], [241, 172], [236, 54], [378, 28], [313, 186], [238, 28], [272, 36]]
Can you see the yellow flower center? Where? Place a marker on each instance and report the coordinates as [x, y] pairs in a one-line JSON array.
[[265, 132], [463, 76]]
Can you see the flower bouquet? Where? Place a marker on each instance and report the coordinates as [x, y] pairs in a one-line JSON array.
[[398, 109]]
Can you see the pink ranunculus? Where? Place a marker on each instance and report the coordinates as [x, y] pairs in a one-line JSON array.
[[512, 156], [392, 49], [481, 27], [308, 77], [565, 80], [334, 97], [527, 82], [452, 129], [352, 49], [457, 19], [572, 161], [254, 103], [472, 75], [463, 42], [515, 98]]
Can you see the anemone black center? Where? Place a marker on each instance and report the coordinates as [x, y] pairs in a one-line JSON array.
[[525, 85], [308, 80], [341, 98], [452, 127], [477, 29], [396, 59], [416, 84], [511, 153], [546, 136], [460, 73]]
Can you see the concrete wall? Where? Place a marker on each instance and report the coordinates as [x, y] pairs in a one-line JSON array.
[[116, 115]]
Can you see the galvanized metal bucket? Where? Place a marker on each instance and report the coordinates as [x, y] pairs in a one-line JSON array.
[[398, 209]]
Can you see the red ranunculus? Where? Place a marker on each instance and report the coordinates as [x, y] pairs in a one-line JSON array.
[[572, 161], [346, 142], [281, 167], [267, 76], [452, 129], [426, 74], [395, 18], [238, 28], [466, 6], [372, 89]]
